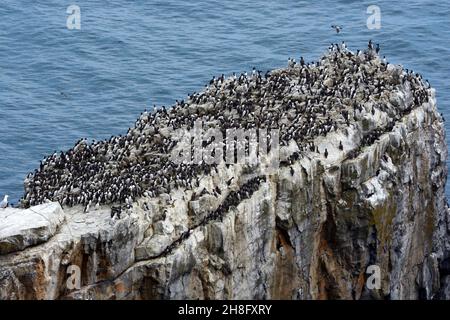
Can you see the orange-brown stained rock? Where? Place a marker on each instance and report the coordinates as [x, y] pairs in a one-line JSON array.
[[285, 279]]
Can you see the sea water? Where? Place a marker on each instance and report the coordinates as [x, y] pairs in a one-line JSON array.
[[60, 83]]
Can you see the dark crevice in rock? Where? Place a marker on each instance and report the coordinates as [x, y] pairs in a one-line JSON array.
[[444, 267], [283, 237], [232, 200]]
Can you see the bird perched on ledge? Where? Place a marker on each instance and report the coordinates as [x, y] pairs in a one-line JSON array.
[[4, 203]]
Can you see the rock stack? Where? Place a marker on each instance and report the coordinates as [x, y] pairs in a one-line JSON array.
[[360, 183]]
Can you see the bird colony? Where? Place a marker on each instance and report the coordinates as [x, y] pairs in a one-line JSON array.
[[303, 100]]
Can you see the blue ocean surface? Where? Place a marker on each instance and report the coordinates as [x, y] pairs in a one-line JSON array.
[[58, 85]]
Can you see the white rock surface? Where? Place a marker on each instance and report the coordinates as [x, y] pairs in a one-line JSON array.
[[20, 229]]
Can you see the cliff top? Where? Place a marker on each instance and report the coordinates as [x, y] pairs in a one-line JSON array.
[[302, 101]]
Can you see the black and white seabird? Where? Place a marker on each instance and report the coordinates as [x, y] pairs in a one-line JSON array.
[[337, 28]]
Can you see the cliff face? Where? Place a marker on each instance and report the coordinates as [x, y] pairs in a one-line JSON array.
[[307, 231], [310, 235]]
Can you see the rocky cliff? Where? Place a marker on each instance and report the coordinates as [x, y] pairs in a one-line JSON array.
[[365, 194]]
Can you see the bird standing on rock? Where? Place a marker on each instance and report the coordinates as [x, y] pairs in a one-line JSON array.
[[4, 203]]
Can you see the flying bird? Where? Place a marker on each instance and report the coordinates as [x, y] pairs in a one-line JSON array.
[[337, 28]]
